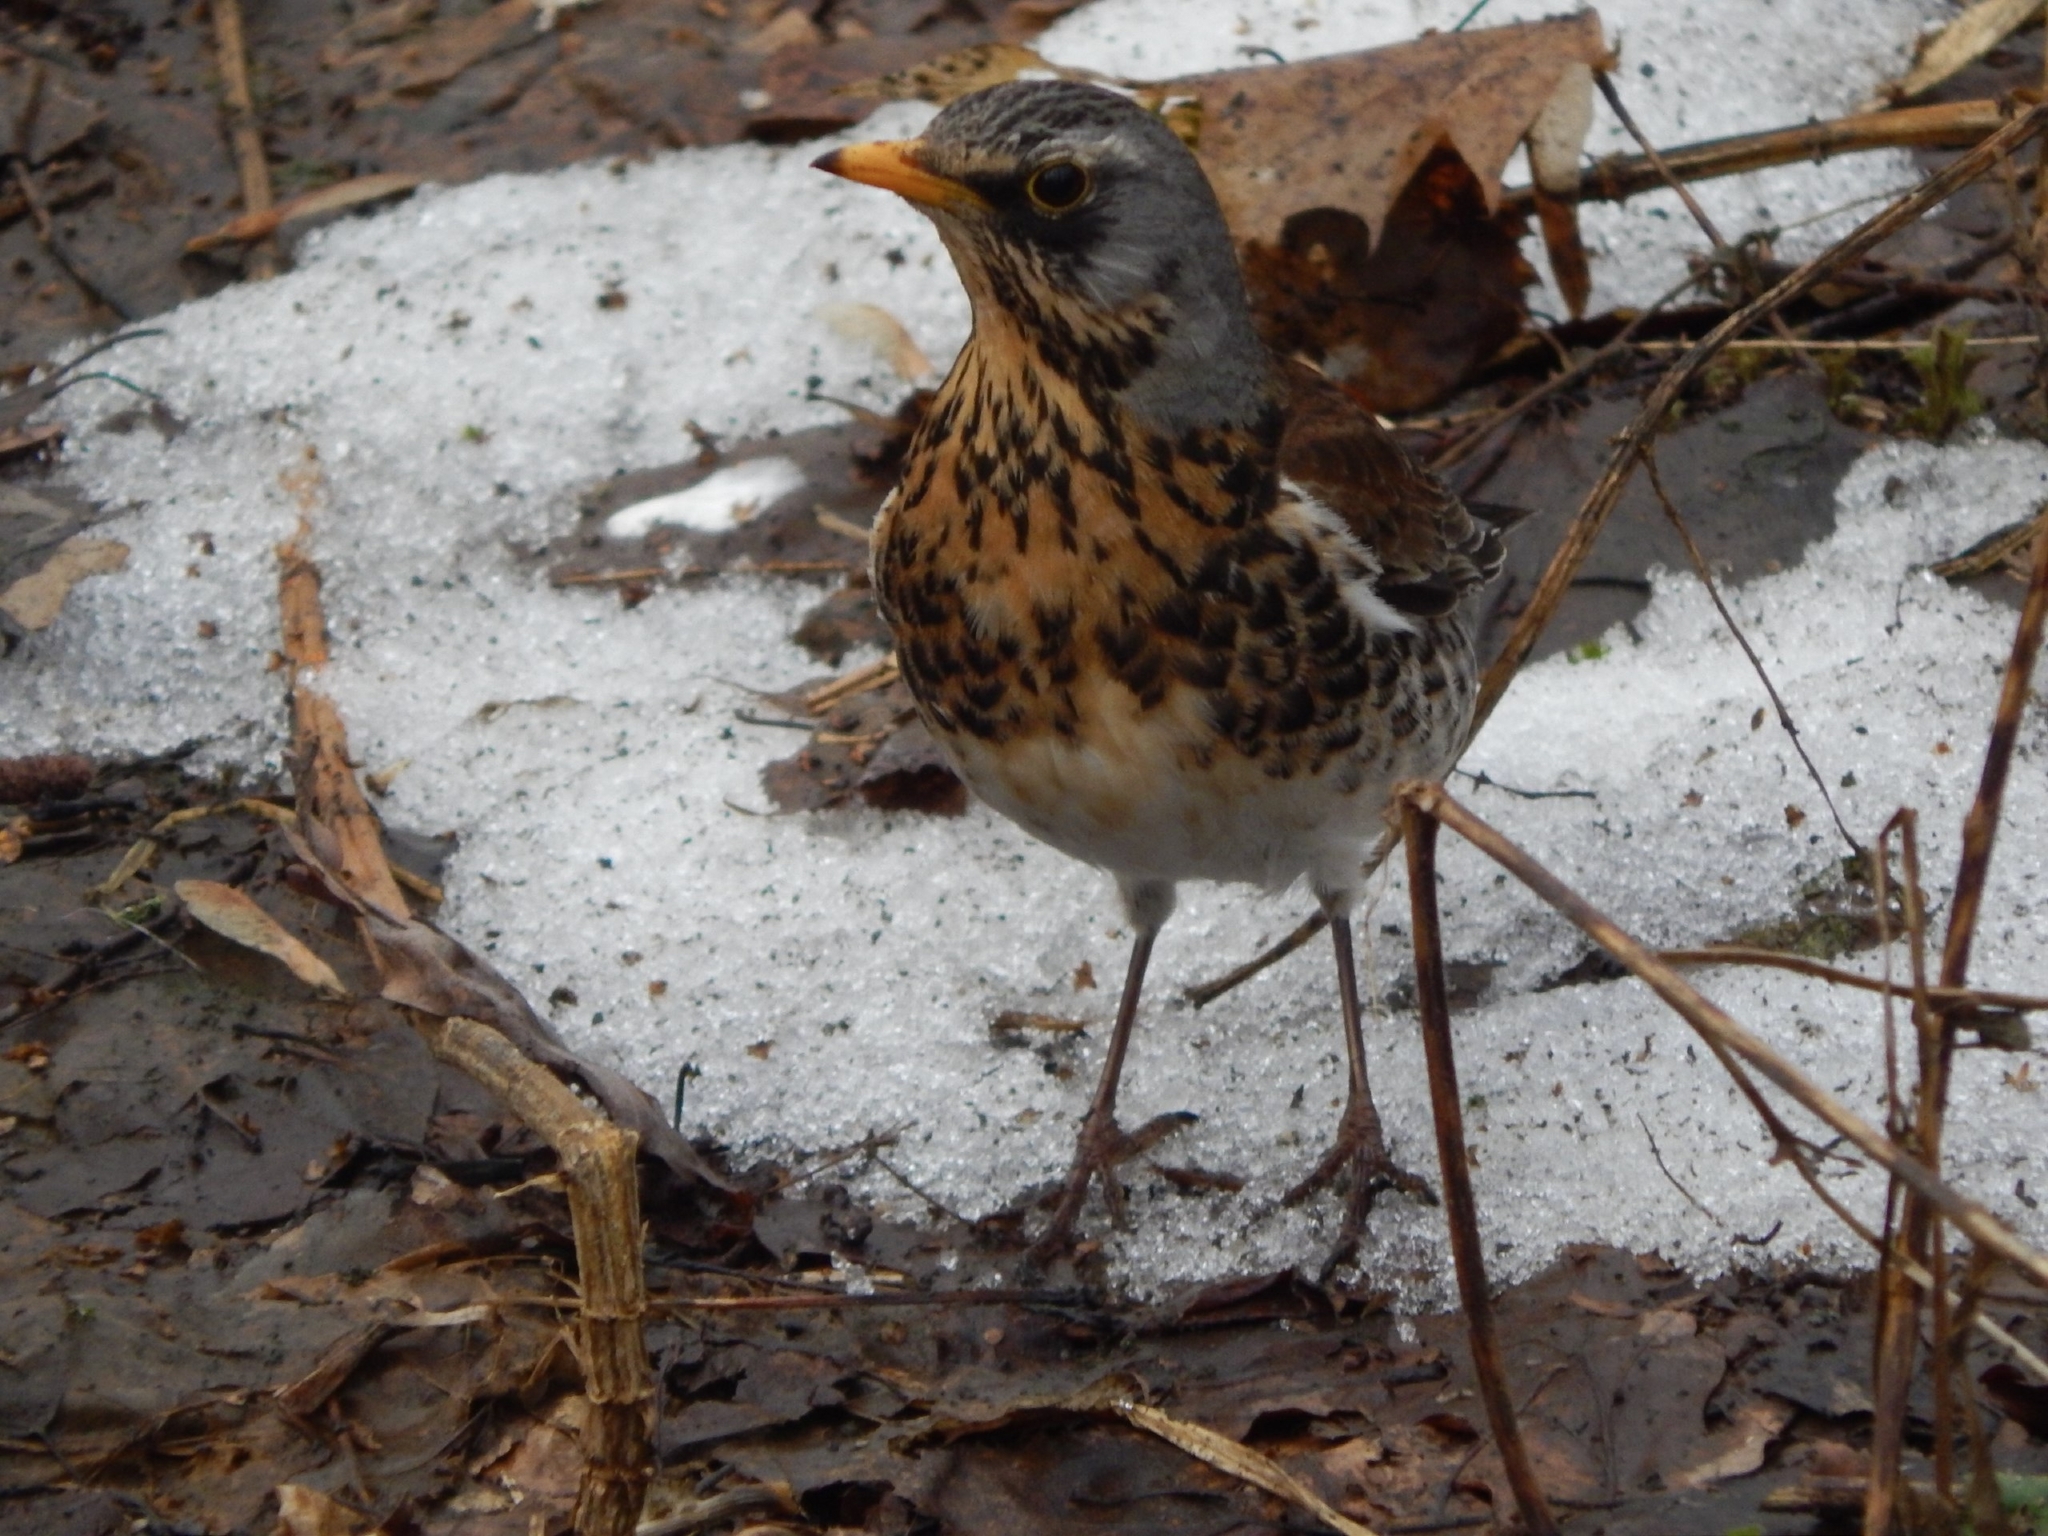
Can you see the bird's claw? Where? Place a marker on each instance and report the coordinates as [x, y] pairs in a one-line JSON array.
[[1098, 1150], [1360, 1150]]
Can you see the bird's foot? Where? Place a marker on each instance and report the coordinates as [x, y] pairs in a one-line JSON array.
[[1361, 1151], [1098, 1150]]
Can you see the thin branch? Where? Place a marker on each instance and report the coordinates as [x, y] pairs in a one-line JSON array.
[[1980, 826], [1592, 515], [1658, 164], [1941, 999], [1706, 576], [1461, 447], [1672, 1178], [245, 131], [1446, 1110], [1949, 125], [1718, 1029]]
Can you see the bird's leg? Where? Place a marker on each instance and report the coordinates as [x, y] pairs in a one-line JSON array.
[[1361, 1144], [1102, 1144]]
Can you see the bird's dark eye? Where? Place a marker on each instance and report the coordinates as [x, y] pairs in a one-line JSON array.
[[1057, 187]]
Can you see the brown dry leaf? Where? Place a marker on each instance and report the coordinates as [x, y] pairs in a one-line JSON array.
[[961, 73], [35, 601], [1241, 1462], [1359, 160], [142, 854], [875, 327], [303, 1511], [451, 46], [333, 812], [301, 618], [1737, 1449], [353, 193], [338, 837], [1350, 131], [234, 916], [1962, 42], [13, 833]]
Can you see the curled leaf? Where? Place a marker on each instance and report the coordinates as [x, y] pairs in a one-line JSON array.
[[231, 914]]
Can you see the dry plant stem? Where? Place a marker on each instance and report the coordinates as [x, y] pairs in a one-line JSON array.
[[1446, 1109], [1949, 125], [1461, 448], [252, 167], [1719, 1030], [1204, 993], [1592, 516], [1706, 576], [1984, 1506], [1980, 826], [60, 252], [604, 1210], [1657, 162], [1942, 999]]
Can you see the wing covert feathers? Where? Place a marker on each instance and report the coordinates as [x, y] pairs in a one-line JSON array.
[[1432, 550]]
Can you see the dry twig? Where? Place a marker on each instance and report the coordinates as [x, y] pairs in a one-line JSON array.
[[1447, 1112], [1629, 446], [245, 132]]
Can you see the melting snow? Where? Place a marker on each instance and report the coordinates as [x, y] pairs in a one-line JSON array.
[[435, 384]]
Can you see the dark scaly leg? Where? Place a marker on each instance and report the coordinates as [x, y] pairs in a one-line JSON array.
[[1361, 1144], [1101, 1144]]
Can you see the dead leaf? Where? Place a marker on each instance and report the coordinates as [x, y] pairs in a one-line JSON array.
[[451, 46], [1962, 42], [1267, 133], [303, 1511], [353, 193], [333, 813], [875, 327], [234, 916], [35, 601], [1738, 1448], [2017, 1398], [301, 618], [1240, 1461], [963, 72], [13, 833]]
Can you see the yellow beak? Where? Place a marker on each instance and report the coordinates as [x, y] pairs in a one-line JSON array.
[[892, 166]]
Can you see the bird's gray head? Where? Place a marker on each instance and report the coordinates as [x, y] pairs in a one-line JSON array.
[[1073, 213]]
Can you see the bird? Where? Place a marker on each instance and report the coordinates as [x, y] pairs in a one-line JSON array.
[[1170, 601]]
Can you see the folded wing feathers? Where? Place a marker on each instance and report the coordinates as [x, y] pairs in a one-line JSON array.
[[1432, 548]]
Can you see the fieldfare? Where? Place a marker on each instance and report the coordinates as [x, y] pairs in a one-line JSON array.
[[1170, 602]]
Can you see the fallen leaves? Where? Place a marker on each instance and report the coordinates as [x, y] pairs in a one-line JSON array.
[[356, 192], [35, 600], [235, 916]]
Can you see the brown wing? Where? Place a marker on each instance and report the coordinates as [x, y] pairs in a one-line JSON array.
[[1432, 549]]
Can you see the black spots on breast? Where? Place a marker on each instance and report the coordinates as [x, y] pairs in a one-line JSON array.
[[1179, 616], [1055, 626], [1158, 556], [1133, 660], [1203, 669], [1121, 644], [1328, 630], [984, 696], [1294, 710], [1159, 454], [1244, 477], [1269, 608]]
